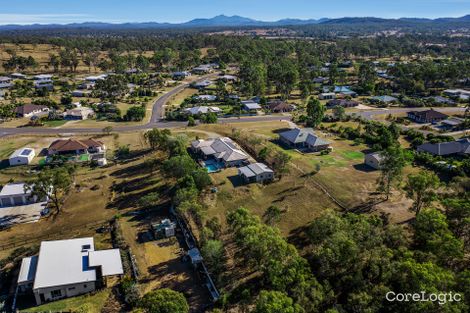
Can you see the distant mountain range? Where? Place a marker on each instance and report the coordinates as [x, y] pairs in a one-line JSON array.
[[234, 21]]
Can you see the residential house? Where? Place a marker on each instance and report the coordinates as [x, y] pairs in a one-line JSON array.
[[17, 76], [373, 160], [205, 98], [80, 113], [303, 138], [202, 84], [278, 106], [256, 173], [202, 110], [461, 146], [250, 106], [81, 93], [43, 81], [452, 123], [222, 149], [22, 156], [180, 75], [327, 96], [442, 100], [202, 69], [29, 110], [384, 99], [345, 91], [75, 146], [457, 93], [320, 80], [228, 78], [428, 116], [5, 82], [68, 268], [342, 103], [15, 194], [94, 79]]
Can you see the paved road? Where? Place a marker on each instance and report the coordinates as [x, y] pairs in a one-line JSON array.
[[157, 121]]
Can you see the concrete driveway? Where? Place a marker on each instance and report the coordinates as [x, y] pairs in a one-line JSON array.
[[21, 214]]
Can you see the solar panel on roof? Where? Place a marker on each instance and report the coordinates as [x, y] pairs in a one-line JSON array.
[[26, 152]]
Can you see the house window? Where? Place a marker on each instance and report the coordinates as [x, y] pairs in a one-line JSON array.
[[72, 288], [86, 247], [56, 293], [84, 286]]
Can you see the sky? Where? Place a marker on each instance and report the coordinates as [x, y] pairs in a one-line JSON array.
[[174, 11]]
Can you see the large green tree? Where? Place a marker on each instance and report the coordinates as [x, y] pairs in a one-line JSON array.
[[164, 301], [421, 188], [315, 112]]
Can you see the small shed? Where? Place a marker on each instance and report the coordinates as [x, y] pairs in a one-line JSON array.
[[164, 229], [373, 160], [22, 156], [195, 256]]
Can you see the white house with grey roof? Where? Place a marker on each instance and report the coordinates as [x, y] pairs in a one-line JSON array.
[[21, 156], [303, 138], [67, 268], [202, 110], [250, 105], [461, 146], [15, 194], [222, 149], [256, 172]]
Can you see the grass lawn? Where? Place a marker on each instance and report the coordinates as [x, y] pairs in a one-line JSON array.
[[90, 303], [54, 123]]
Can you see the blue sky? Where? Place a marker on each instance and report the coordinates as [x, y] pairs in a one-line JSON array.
[[116, 11]]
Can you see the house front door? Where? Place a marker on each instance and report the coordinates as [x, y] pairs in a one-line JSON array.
[[41, 297]]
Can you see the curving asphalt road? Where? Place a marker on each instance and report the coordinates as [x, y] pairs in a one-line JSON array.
[[157, 121]]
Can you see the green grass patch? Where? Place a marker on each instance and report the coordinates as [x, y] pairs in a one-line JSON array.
[[84, 157], [55, 123], [327, 160], [91, 303], [353, 155]]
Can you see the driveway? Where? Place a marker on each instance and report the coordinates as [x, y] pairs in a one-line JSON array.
[[21, 214]]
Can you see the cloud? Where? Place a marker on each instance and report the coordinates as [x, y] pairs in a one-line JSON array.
[[6, 18]]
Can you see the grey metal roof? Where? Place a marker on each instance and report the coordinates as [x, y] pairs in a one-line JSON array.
[[254, 169], [13, 189], [246, 171], [109, 260], [297, 135], [314, 140], [28, 269], [64, 262], [446, 148], [375, 155], [251, 105], [384, 98], [222, 148]]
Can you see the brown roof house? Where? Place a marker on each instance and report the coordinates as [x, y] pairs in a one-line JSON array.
[[428, 116], [342, 102], [74, 146], [278, 106], [29, 110]]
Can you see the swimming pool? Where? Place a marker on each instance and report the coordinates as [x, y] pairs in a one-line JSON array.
[[212, 166]]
